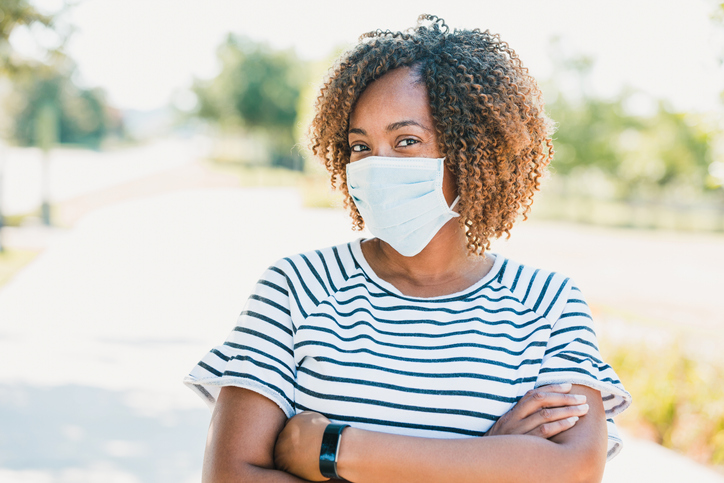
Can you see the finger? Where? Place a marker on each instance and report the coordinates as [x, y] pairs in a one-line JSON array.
[[561, 388], [537, 399], [551, 429], [549, 415]]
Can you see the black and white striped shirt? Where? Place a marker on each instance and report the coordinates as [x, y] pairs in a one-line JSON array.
[[322, 332]]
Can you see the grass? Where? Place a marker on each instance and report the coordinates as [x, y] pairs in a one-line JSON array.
[[678, 399], [550, 205], [12, 261]]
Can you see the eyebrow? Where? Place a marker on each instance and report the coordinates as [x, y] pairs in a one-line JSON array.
[[392, 127]]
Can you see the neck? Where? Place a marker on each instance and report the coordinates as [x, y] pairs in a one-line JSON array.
[[441, 268]]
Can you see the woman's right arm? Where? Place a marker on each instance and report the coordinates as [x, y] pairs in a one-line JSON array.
[[240, 445]]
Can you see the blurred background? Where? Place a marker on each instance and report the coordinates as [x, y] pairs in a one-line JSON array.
[[153, 163]]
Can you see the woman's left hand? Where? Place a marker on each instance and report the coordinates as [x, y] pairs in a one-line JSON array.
[[298, 446]]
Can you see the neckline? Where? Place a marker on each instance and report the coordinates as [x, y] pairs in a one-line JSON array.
[[356, 249]]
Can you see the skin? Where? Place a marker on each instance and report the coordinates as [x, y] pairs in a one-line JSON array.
[[554, 433]]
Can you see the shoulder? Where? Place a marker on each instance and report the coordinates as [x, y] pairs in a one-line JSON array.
[[543, 291], [319, 272]]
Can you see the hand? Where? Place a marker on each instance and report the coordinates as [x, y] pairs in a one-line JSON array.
[[298, 446], [543, 412]]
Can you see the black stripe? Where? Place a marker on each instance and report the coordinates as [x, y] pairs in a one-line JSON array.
[[234, 345], [501, 272], [517, 277], [545, 370], [424, 335], [315, 273], [415, 359], [575, 314], [472, 297], [427, 321], [274, 286], [421, 348], [387, 404], [266, 338], [415, 390], [339, 263], [441, 375], [264, 383], [571, 329], [292, 290], [357, 266], [585, 355], [326, 270], [309, 293], [543, 291], [394, 424], [262, 365], [269, 320], [555, 299], [271, 303], [209, 369], [530, 284], [446, 310], [577, 301], [563, 355], [566, 344]]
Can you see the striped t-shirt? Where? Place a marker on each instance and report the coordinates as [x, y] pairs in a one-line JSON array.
[[322, 332]]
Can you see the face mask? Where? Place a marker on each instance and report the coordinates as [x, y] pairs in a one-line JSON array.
[[400, 199]]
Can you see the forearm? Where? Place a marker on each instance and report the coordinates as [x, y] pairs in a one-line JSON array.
[[250, 473], [367, 456]]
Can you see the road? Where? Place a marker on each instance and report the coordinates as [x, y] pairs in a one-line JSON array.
[[98, 331]]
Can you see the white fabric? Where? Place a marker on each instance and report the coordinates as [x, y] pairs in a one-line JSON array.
[[322, 332]]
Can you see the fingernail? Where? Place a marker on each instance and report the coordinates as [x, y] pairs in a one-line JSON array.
[[566, 385], [573, 419], [583, 407], [580, 398]]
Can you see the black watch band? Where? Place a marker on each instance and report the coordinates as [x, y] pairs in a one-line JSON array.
[[330, 450]]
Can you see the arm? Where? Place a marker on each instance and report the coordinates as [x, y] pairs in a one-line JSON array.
[[575, 455], [240, 445]]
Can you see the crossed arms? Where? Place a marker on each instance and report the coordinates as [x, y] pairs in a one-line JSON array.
[[537, 441]]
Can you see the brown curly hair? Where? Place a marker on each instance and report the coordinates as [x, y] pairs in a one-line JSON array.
[[488, 113]]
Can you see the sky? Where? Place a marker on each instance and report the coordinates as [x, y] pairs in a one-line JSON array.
[[146, 53]]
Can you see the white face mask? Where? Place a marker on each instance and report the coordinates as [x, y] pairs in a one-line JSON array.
[[400, 199]]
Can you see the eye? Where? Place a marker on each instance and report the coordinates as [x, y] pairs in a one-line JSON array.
[[358, 148], [408, 142]]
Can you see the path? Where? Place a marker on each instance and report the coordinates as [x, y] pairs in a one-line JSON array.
[[98, 331]]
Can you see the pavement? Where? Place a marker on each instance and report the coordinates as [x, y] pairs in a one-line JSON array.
[[98, 331]]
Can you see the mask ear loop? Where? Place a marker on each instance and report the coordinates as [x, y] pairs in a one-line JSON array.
[[453, 205]]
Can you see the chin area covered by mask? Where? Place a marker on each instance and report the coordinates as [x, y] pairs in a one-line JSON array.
[[401, 199]]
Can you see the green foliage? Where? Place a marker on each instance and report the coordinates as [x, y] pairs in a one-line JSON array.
[[640, 155], [677, 399], [82, 114], [257, 89], [14, 14]]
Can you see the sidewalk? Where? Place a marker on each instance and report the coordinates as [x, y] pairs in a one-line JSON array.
[[98, 331]]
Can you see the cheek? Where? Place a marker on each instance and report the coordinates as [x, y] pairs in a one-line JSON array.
[[449, 186]]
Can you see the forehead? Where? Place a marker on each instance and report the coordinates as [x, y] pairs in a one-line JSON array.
[[395, 96]]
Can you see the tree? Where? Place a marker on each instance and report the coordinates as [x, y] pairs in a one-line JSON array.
[[258, 89], [18, 13]]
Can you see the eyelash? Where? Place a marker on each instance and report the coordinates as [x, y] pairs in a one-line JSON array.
[[358, 148]]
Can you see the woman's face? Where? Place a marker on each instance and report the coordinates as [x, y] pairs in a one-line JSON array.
[[392, 118]]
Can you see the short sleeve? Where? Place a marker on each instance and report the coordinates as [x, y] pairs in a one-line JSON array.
[[258, 354], [572, 356]]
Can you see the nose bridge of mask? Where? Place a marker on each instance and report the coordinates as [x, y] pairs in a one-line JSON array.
[[376, 172]]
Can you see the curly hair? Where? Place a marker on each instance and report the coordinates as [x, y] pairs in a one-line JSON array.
[[488, 114]]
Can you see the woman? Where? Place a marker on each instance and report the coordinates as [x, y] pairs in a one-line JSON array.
[[417, 339]]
